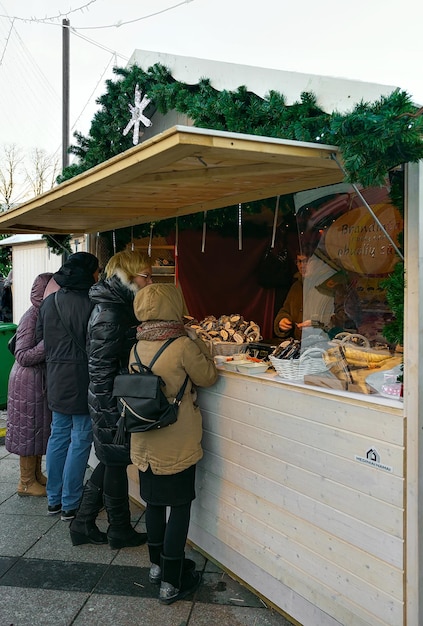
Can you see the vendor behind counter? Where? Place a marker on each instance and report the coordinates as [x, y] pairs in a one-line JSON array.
[[320, 297]]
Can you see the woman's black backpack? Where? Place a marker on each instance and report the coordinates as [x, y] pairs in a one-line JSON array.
[[143, 405]]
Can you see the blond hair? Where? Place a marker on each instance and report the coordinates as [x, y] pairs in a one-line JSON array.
[[130, 262]]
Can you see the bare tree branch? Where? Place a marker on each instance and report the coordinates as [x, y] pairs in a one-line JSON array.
[[10, 169], [42, 171]]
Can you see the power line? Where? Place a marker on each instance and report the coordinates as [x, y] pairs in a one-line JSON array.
[[28, 102], [54, 17], [29, 54], [47, 20], [7, 41], [138, 19], [93, 92], [99, 45]]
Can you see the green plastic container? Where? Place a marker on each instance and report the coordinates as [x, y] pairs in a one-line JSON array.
[[6, 359]]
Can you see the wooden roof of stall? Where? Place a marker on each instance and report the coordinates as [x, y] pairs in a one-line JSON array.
[[181, 171]]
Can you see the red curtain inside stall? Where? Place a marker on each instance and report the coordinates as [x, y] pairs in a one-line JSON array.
[[223, 279]]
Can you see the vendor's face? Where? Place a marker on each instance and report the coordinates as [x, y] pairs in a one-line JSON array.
[[302, 262], [144, 278]]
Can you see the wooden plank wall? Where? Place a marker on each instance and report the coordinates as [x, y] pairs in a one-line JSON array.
[[28, 260], [279, 488]]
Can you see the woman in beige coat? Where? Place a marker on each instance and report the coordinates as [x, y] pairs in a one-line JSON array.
[[166, 458]]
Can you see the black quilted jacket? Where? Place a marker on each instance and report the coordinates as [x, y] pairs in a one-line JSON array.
[[111, 335]]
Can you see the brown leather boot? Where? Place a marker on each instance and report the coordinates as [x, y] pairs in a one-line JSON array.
[[28, 484], [38, 473]]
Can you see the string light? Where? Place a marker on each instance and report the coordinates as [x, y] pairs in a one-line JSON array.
[[48, 20], [203, 242], [239, 226], [150, 240]]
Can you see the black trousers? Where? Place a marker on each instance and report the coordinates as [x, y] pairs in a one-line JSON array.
[[171, 494], [112, 479], [171, 533]]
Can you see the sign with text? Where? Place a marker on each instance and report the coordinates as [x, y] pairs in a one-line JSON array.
[[357, 242]]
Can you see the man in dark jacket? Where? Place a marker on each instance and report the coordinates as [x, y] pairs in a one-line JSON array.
[[111, 335], [63, 324], [6, 302]]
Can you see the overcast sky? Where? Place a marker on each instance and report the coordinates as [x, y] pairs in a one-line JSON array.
[[373, 40]]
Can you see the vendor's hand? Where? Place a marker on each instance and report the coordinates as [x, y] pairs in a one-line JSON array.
[[285, 324], [191, 332], [305, 324]]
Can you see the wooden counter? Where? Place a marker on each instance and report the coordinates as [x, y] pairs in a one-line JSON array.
[[301, 494]]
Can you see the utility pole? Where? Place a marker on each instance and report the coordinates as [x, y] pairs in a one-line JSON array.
[[65, 92]]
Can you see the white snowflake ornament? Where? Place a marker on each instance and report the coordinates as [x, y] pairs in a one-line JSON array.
[[137, 116]]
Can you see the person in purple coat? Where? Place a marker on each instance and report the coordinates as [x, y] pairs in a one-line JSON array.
[[28, 416]]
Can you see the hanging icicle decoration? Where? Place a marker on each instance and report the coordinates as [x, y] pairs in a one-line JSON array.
[[240, 226], [203, 240], [176, 252], [97, 243], [114, 241], [275, 222], [132, 239], [150, 241]]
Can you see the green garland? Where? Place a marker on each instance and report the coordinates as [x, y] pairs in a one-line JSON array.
[[374, 139], [394, 286]]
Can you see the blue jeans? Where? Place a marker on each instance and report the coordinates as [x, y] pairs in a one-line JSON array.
[[67, 454]]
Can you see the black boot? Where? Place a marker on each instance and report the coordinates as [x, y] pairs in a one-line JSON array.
[[155, 573], [177, 583], [120, 532], [83, 528]]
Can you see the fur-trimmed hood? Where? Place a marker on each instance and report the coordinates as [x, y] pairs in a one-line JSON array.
[[117, 288]]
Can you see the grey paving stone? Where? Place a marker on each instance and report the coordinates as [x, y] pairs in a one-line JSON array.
[[55, 575], [121, 580], [9, 469], [24, 505], [136, 557], [56, 545], [118, 611], [19, 533], [206, 614], [38, 607], [219, 588], [6, 563], [7, 490]]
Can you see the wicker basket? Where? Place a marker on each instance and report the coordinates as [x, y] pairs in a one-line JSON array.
[[226, 348], [310, 362], [355, 351]]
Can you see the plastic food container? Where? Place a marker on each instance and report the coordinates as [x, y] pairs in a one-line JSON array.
[[233, 366], [252, 368], [219, 359]]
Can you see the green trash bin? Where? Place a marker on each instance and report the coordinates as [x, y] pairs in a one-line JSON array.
[[6, 359]]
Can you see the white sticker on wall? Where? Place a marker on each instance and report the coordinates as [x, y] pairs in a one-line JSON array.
[[373, 458]]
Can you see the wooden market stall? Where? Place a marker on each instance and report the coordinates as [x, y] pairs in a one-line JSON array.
[[310, 496]]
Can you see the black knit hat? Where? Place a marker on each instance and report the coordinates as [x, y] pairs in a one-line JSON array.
[[85, 260], [77, 272]]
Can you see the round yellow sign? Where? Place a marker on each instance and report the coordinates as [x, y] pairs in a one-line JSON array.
[[357, 242]]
